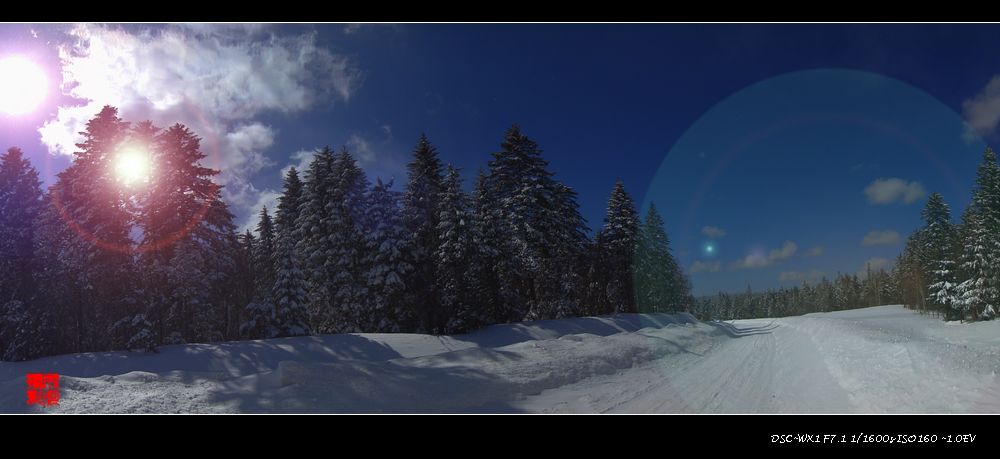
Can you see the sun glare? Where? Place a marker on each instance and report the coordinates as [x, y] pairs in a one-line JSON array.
[[132, 166], [22, 85]]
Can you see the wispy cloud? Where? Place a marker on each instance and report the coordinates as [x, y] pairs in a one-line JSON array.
[[713, 231], [361, 149], [893, 190], [760, 259], [814, 252], [877, 237], [705, 266]]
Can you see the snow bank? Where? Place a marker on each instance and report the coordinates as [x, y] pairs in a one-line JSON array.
[[325, 373], [876, 360]]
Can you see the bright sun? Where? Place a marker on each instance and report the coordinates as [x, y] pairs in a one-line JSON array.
[[22, 85], [132, 166]]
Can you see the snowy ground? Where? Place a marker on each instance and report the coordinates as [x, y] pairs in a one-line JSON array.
[[876, 360]]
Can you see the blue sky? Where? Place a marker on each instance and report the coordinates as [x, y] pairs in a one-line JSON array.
[[769, 133]]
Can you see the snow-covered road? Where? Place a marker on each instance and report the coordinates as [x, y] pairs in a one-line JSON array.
[[876, 360]]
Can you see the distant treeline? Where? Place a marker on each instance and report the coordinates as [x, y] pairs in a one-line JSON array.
[[948, 269]]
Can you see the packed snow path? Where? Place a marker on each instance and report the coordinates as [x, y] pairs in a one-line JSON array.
[[877, 360]]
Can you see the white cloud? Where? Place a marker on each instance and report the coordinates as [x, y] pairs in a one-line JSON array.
[[265, 198], [705, 266], [301, 159], [361, 149], [216, 79], [814, 252], [876, 237], [892, 190], [376, 155], [811, 277], [982, 112], [785, 252], [758, 258], [713, 231]]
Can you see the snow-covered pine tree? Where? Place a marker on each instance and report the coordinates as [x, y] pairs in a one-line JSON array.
[[488, 241], [20, 204], [197, 233], [562, 247], [243, 286], [264, 260], [25, 323], [311, 239], [387, 242], [289, 203], [939, 245], [457, 312], [509, 169], [595, 292], [979, 263], [659, 282], [349, 260], [535, 214], [290, 286], [132, 328], [260, 311], [974, 266], [290, 315], [911, 272], [26, 331], [92, 245], [420, 215], [191, 315], [51, 235], [617, 241]]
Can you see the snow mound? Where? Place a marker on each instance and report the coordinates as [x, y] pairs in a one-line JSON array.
[[877, 360]]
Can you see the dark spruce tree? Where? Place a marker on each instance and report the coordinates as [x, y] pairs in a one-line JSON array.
[[349, 262], [457, 311], [312, 241], [387, 243], [486, 255], [420, 215], [290, 286], [563, 250], [260, 311], [911, 275], [289, 203], [659, 282], [537, 225], [978, 264], [26, 324], [198, 239], [86, 240], [616, 243], [940, 245], [243, 285], [264, 259], [20, 205]]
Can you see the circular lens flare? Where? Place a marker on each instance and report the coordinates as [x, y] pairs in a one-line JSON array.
[[710, 249], [23, 85], [132, 166]]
